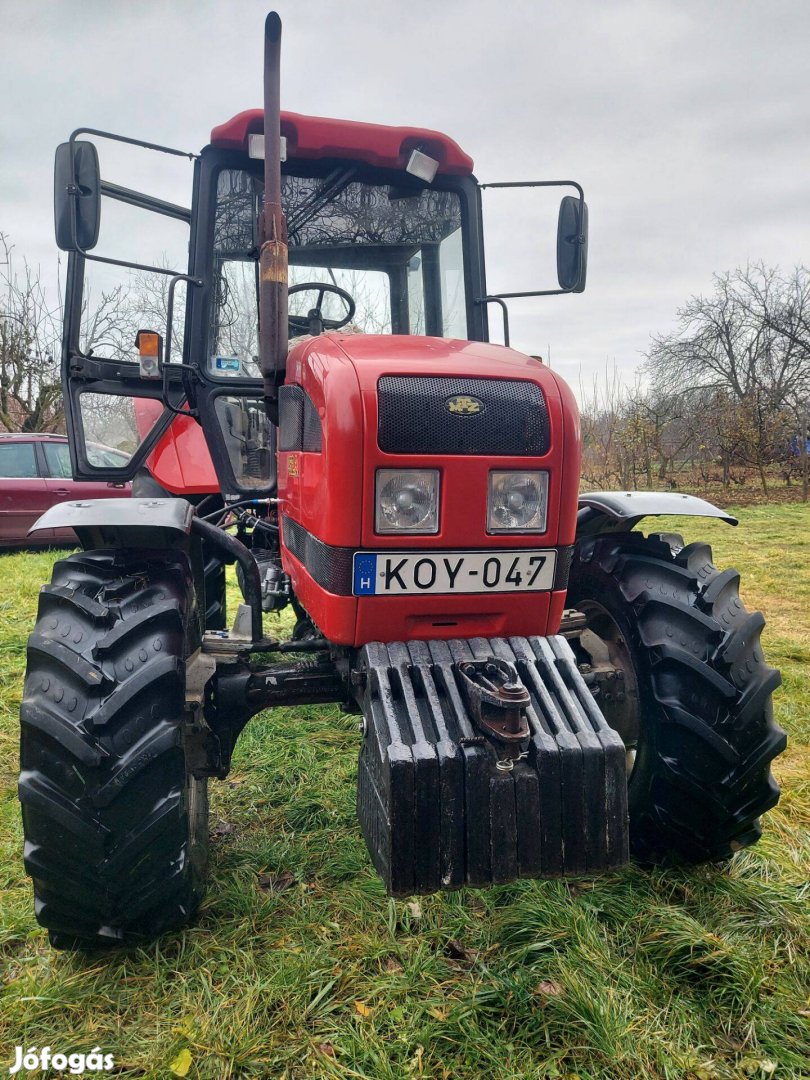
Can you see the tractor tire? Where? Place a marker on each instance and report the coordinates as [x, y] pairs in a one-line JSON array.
[[115, 825], [702, 735]]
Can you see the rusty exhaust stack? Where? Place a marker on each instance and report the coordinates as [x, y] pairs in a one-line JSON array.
[[273, 229]]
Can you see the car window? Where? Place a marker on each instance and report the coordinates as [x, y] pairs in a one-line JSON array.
[[57, 458], [18, 459], [103, 457]]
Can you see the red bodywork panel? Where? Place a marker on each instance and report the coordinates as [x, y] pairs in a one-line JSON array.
[[331, 493], [321, 137], [181, 461]]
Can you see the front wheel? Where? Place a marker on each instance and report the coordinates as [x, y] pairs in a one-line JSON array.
[[115, 824], [692, 700]]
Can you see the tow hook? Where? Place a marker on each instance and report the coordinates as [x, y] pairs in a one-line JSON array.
[[496, 698]]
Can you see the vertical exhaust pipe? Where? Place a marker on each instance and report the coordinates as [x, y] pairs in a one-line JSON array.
[[273, 230]]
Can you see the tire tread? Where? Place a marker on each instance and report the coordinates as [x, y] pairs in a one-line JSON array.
[[706, 691], [106, 822]]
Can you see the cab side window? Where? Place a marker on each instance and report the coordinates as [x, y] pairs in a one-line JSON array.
[[18, 459]]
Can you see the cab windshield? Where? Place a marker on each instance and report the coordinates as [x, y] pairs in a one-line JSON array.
[[394, 246]]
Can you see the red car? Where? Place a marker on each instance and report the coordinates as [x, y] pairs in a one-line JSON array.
[[34, 475]]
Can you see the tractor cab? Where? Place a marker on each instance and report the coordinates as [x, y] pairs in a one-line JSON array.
[[384, 237], [367, 213]]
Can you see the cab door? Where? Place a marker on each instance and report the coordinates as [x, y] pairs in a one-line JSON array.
[[127, 272]]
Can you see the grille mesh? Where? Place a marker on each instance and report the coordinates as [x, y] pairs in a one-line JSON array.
[[290, 410], [311, 438], [330, 566], [298, 421], [565, 556], [414, 417]]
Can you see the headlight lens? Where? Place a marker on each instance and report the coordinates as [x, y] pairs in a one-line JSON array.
[[517, 502], [407, 501]]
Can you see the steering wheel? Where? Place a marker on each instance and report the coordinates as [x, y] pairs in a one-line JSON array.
[[314, 322]]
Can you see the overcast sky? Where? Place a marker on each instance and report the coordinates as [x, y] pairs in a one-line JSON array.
[[686, 123]]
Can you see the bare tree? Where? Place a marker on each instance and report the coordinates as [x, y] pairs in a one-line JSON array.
[[603, 462], [31, 340], [717, 345], [30, 391], [783, 304], [742, 351]]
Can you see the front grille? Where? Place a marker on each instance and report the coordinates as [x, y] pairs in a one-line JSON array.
[[415, 416]]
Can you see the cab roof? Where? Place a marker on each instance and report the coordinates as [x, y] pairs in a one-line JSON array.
[[322, 137]]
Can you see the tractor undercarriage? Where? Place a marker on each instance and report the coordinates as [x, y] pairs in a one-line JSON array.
[[482, 760], [467, 747]]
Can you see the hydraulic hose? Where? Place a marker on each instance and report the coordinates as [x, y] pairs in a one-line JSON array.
[[251, 581]]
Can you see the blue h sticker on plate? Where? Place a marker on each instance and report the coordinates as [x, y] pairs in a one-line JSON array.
[[365, 574]]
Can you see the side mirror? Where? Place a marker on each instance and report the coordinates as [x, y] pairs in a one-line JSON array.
[[572, 244], [76, 196]]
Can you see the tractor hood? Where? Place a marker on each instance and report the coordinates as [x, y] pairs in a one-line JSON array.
[[374, 355]]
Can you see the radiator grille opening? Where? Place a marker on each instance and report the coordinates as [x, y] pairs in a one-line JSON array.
[[440, 415]]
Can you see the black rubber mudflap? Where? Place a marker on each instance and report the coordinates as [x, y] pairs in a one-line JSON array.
[[437, 809]]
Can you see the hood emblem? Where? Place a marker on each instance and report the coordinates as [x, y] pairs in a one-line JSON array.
[[464, 405]]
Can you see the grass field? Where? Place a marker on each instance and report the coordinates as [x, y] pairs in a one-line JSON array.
[[299, 966]]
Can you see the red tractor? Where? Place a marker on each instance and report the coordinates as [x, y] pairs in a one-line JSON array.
[[543, 688]]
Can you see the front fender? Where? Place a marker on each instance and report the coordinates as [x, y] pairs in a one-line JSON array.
[[105, 523], [620, 511]]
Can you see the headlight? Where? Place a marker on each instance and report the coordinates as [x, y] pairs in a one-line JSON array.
[[517, 502], [407, 501]]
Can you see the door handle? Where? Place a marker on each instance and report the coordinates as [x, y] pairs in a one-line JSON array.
[[61, 491]]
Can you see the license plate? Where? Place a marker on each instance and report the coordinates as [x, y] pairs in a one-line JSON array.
[[389, 572]]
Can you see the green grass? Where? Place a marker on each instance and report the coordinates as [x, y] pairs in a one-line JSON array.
[[678, 974]]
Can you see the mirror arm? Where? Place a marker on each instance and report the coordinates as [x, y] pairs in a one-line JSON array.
[[537, 183], [75, 192], [500, 301], [520, 295], [131, 265], [144, 202], [577, 239], [544, 183], [131, 142], [197, 282]]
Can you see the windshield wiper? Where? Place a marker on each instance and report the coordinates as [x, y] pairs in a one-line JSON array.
[[336, 182]]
